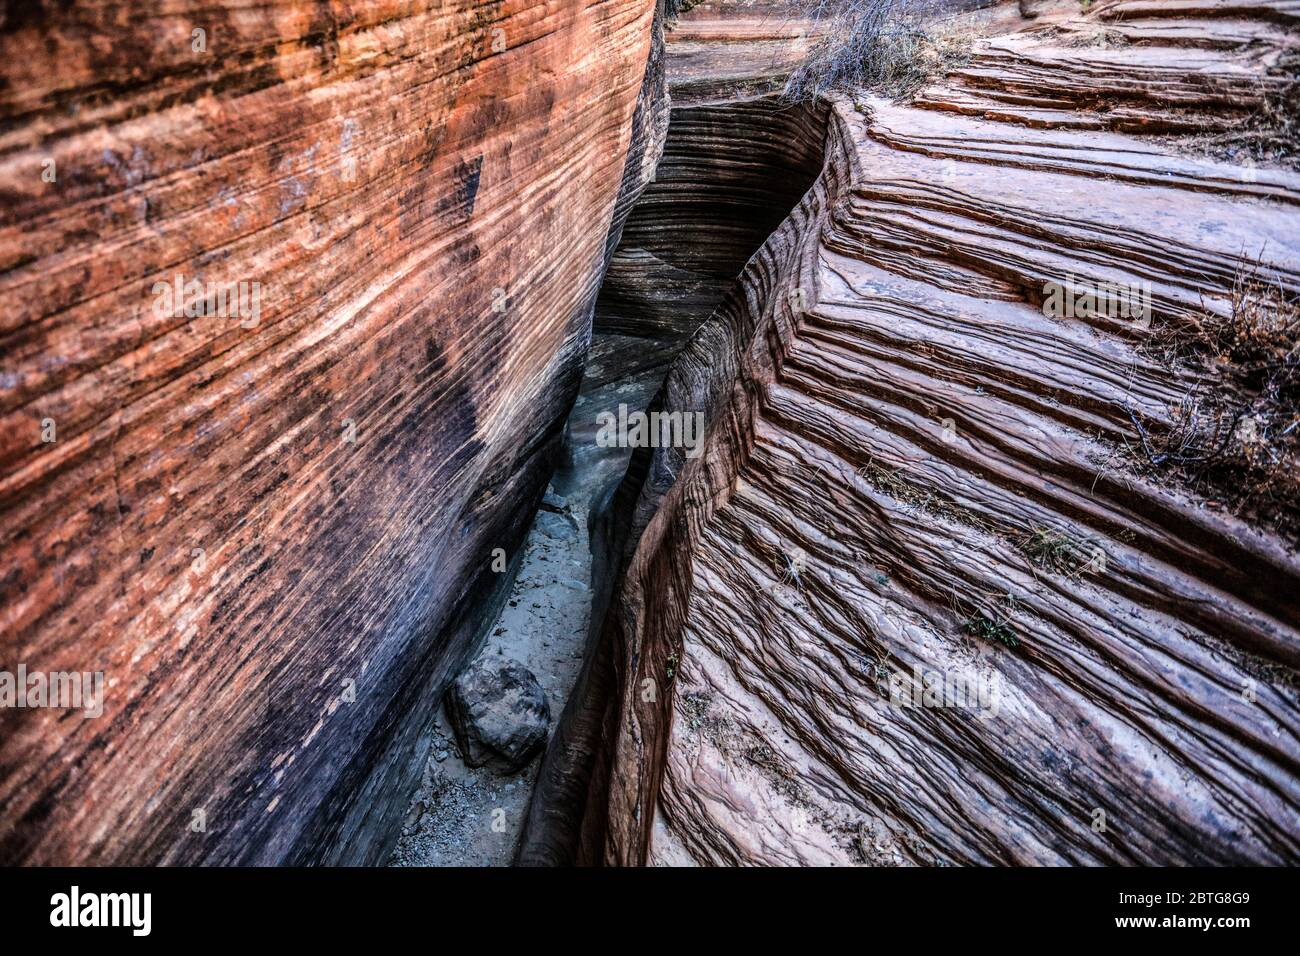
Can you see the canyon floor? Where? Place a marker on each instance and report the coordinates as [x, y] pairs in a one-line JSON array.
[[473, 816]]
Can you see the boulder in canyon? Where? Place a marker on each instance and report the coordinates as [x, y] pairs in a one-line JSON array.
[[499, 712]]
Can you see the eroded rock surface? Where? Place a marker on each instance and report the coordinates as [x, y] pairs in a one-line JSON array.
[[273, 531], [720, 50], [729, 174], [919, 478]]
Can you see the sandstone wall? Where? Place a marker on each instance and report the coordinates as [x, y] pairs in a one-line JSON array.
[[274, 536]]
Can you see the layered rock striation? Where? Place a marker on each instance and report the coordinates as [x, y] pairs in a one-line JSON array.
[[729, 175], [293, 305], [964, 575]]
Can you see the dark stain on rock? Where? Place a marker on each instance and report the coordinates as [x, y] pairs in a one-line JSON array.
[[450, 210], [461, 202], [435, 360]]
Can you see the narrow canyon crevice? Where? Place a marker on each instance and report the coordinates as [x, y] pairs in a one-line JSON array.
[[730, 172], [463, 815]]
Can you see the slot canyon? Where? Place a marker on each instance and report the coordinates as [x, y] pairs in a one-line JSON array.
[[349, 360]]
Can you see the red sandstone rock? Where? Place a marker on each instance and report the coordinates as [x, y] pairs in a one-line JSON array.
[[275, 537]]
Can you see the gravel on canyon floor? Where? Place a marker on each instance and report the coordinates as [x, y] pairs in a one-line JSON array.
[[467, 816]]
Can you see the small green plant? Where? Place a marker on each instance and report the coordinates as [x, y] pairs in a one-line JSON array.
[[995, 625], [880, 673], [696, 707], [671, 670], [981, 625]]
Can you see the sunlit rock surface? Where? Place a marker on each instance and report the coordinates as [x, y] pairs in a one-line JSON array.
[[273, 531], [915, 472]]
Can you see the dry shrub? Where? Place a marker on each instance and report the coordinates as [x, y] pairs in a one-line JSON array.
[[1060, 552], [1271, 133], [1089, 34], [879, 45], [1240, 436]]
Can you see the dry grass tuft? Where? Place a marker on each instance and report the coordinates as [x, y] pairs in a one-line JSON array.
[[1270, 134], [1092, 35], [878, 45], [1059, 552], [1236, 431]]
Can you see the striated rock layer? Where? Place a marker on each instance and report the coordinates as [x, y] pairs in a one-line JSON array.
[[273, 530], [919, 478], [731, 168], [721, 50], [729, 174]]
